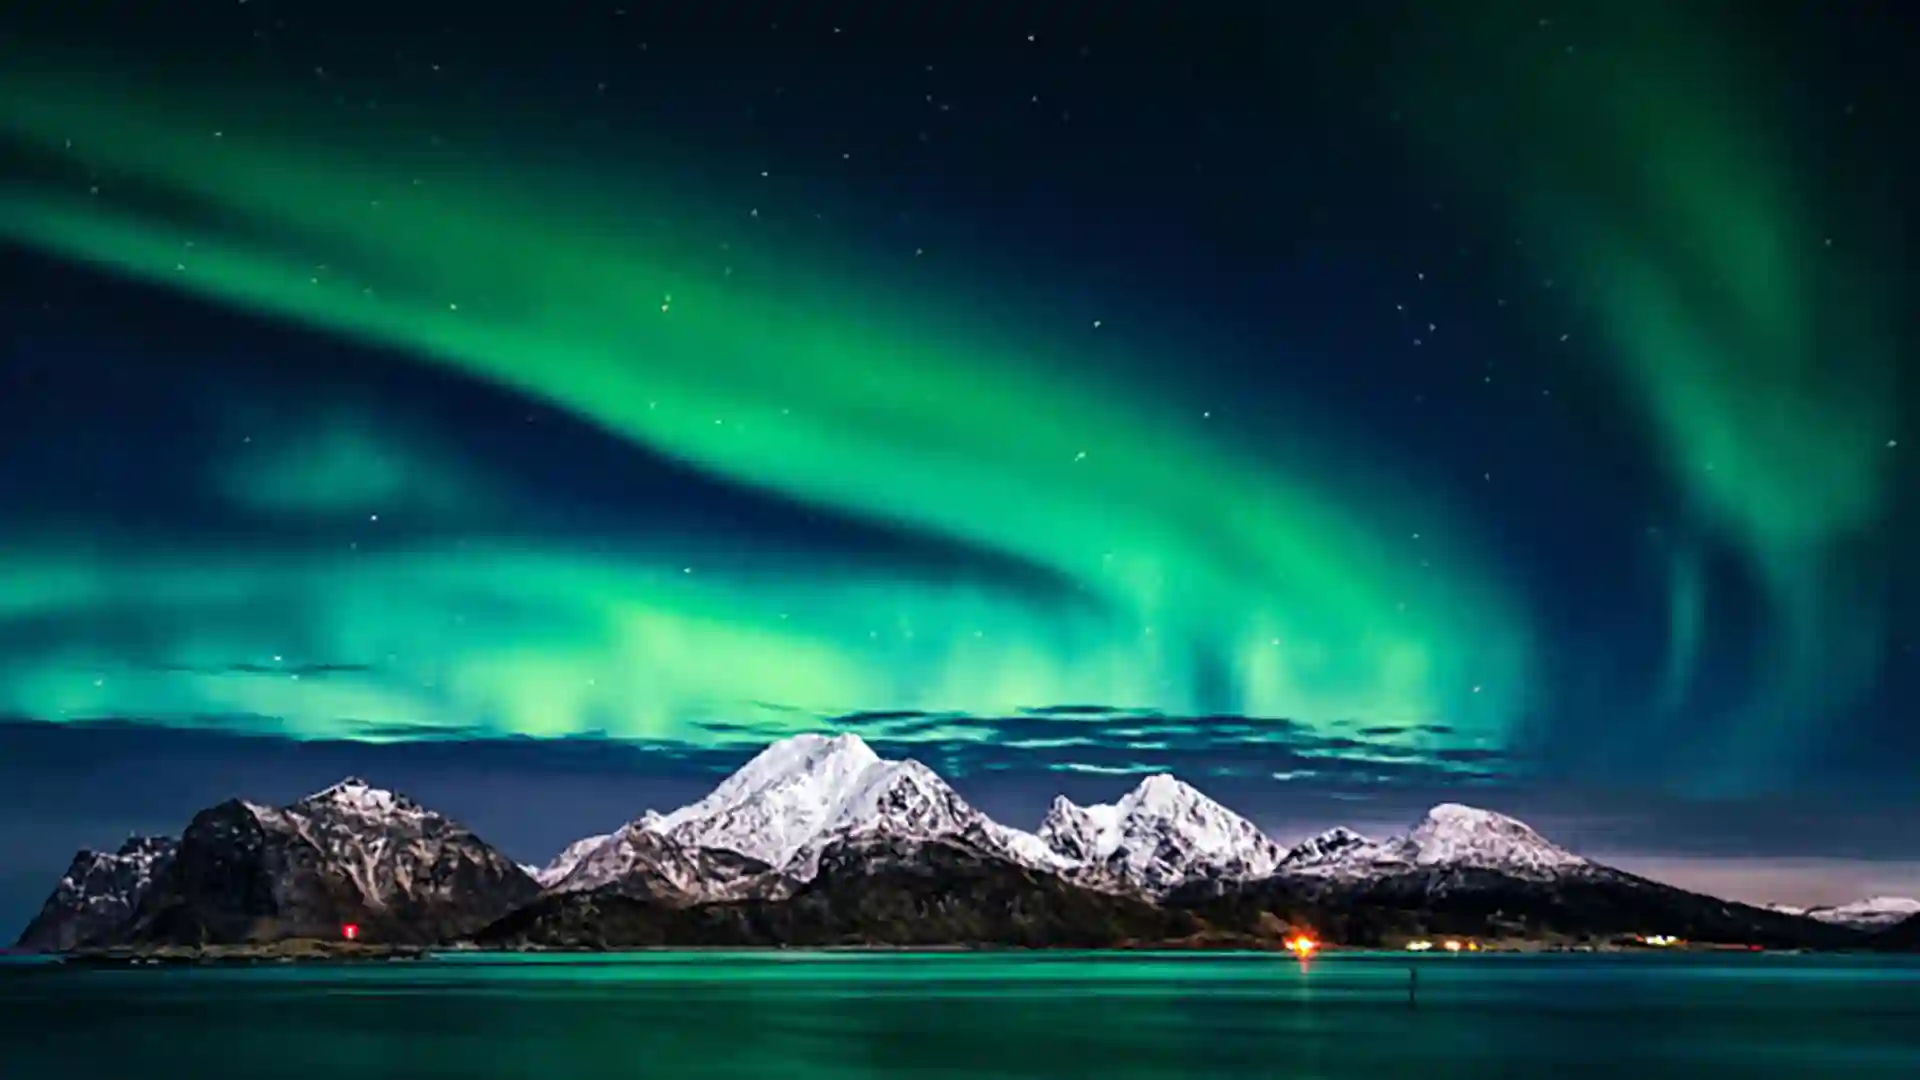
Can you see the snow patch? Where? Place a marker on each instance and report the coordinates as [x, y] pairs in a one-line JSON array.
[[570, 857], [1874, 913]]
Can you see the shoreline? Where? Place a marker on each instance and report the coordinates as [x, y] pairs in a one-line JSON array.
[[309, 951]]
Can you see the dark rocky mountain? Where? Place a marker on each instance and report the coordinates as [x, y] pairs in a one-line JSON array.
[[1466, 872], [98, 894], [1900, 937], [350, 855], [1586, 903], [868, 891]]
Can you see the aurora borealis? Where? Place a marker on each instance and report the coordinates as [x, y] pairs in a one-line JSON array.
[[1759, 338], [1181, 543], [1291, 404]]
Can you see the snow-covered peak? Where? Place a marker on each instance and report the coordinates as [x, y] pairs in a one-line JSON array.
[[569, 857], [1080, 833], [355, 796], [805, 792], [133, 864], [1337, 845], [1159, 835], [1161, 790], [886, 788], [803, 763], [1464, 836], [1449, 836], [99, 892], [1873, 913], [902, 799]]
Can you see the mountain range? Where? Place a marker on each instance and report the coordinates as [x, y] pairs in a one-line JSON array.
[[820, 841]]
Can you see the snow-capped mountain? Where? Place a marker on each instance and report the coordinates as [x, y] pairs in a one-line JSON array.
[[1456, 835], [805, 794], [1162, 834], [99, 893], [779, 811], [1874, 913], [1450, 836], [394, 850], [793, 793]]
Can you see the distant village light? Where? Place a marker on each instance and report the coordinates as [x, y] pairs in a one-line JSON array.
[[1453, 946]]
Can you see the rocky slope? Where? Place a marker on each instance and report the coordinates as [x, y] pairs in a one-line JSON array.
[[872, 890], [98, 894], [639, 862], [1903, 936]]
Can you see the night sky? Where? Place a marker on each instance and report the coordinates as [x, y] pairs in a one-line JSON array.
[[539, 407]]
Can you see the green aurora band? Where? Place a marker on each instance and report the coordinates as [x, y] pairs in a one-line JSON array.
[[853, 395], [1658, 176]]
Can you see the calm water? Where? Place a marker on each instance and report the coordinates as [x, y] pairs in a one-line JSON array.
[[1071, 1015]]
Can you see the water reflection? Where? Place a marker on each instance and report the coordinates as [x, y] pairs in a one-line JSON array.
[[959, 1015]]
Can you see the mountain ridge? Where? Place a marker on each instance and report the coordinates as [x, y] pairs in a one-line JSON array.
[[787, 843]]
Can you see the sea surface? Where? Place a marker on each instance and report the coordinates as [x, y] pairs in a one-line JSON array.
[[1104, 1016]]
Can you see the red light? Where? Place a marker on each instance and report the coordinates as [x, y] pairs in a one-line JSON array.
[[350, 931]]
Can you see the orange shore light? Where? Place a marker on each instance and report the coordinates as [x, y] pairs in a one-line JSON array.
[[1302, 945]]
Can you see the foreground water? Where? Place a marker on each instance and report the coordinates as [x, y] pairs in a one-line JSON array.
[[670, 1015]]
